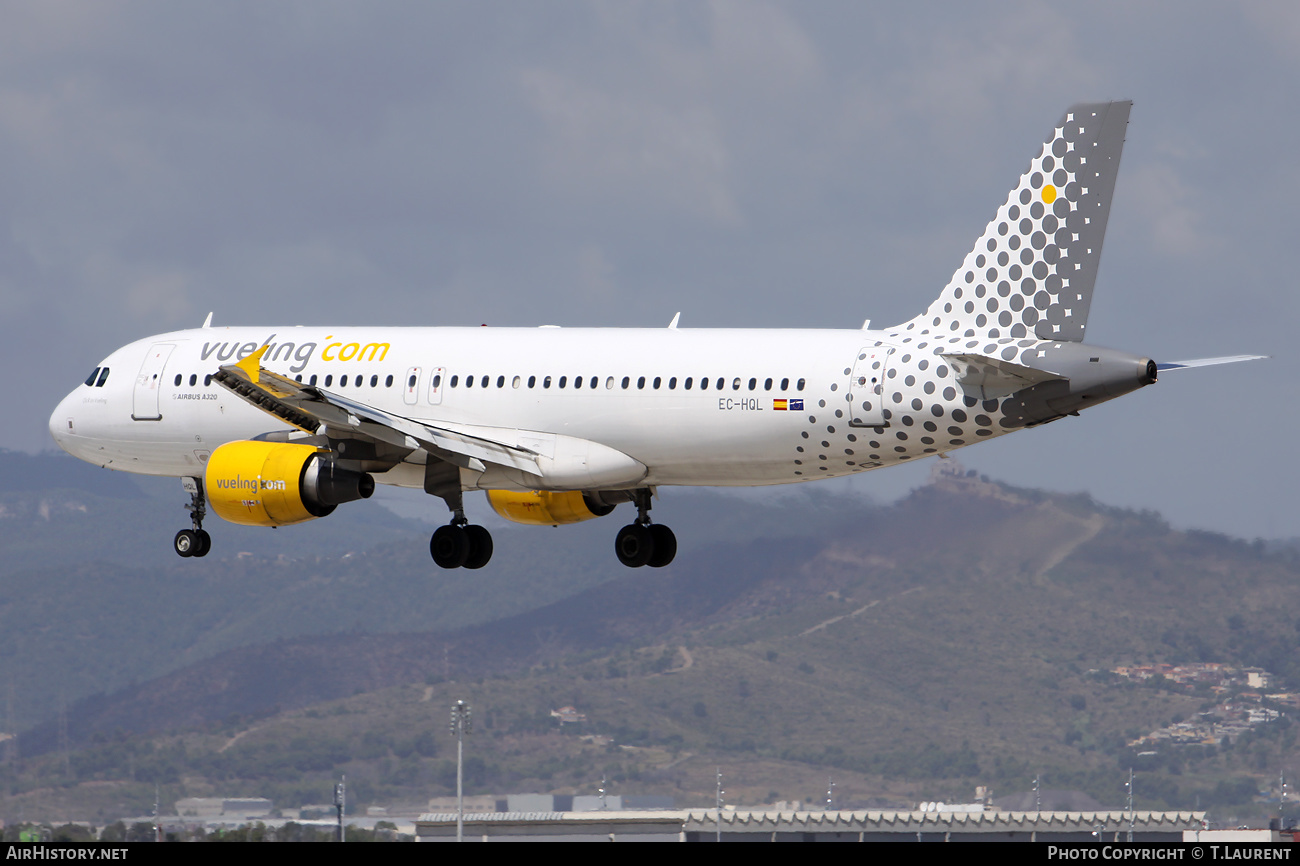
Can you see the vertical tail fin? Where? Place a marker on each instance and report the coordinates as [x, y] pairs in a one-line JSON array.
[[1032, 272]]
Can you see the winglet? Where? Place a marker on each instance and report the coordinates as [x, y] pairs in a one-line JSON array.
[[672, 326], [207, 323], [252, 364]]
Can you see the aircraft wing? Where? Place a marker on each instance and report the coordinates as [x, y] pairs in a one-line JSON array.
[[316, 410], [1207, 362]]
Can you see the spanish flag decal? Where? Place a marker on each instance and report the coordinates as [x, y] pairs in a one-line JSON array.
[[779, 405]]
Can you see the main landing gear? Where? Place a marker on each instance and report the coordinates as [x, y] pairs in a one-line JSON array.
[[642, 542], [457, 545], [196, 541], [461, 545]]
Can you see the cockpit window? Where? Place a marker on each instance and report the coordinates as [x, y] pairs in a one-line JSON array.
[[90, 380], [103, 377]]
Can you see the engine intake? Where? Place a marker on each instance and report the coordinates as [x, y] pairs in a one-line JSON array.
[[278, 484]]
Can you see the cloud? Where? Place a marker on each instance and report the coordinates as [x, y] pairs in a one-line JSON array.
[[1169, 209], [604, 144]]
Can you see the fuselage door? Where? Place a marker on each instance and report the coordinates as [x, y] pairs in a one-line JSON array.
[[866, 389], [411, 386], [435, 385], [144, 406]]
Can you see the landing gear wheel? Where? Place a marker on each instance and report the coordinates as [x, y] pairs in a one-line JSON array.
[[204, 543], [480, 546], [450, 547], [635, 545], [665, 545], [186, 542]]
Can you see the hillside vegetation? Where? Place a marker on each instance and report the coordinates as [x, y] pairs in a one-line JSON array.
[[959, 637]]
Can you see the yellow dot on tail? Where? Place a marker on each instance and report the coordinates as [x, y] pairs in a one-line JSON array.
[[1049, 193]]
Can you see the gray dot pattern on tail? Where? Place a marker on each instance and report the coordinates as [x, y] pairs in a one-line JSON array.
[[1032, 272]]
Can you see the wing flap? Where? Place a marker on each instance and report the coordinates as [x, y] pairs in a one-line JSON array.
[[310, 408]]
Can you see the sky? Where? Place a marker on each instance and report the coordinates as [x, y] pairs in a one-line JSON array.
[[750, 164]]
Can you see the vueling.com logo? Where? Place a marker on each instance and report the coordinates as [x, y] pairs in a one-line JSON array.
[[287, 350], [241, 483]]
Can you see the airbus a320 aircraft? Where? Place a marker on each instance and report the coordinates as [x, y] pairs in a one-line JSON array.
[[275, 426]]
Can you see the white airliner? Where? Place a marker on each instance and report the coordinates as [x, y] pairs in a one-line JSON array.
[[277, 425]]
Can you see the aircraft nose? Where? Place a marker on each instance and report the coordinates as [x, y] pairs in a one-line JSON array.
[[62, 423]]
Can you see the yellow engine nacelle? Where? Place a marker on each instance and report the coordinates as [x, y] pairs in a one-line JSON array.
[[544, 508], [277, 483]]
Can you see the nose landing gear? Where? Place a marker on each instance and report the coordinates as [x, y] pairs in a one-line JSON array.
[[642, 542], [196, 541]]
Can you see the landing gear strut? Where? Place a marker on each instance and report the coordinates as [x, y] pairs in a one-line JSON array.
[[459, 544], [642, 542], [196, 541]]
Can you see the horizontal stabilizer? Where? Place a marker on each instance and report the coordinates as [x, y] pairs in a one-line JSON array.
[[991, 378], [1207, 362]]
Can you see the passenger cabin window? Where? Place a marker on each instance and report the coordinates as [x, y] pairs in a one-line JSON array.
[[178, 379], [546, 382], [799, 387], [688, 383], [329, 380], [640, 382], [484, 383], [532, 381], [753, 383], [767, 385], [514, 383], [656, 382], [704, 383], [609, 383], [564, 381], [672, 384], [577, 381], [626, 382], [469, 381], [501, 381], [388, 383], [374, 381], [194, 380], [785, 384], [735, 384], [454, 380], [437, 381], [721, 381], [313, 380]]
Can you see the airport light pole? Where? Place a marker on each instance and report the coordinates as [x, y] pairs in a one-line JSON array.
[[719, 805], [1130, 804], [461, 724], [340, 798]]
